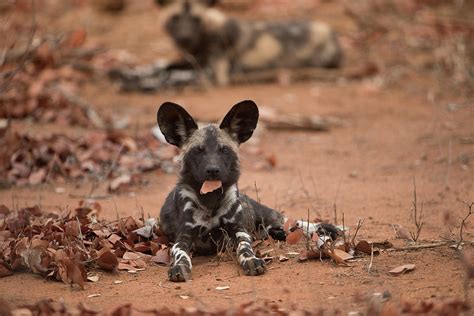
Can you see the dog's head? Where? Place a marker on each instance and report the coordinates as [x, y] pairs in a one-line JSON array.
[[210, 152], [189, 21]]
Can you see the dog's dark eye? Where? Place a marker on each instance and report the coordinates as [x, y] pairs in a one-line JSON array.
[[200, 149], [224, 149]]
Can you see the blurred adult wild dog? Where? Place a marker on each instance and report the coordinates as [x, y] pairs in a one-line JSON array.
[[224, 45]]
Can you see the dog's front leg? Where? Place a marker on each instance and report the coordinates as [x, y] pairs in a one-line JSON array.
[[245, 255], [181, 266], [221, 68]]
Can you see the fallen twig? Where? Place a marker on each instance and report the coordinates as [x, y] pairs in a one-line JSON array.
[[92, 115], [421, 246]]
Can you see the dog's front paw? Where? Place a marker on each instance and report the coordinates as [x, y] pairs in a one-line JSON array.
[[253, 266], [179, 273]]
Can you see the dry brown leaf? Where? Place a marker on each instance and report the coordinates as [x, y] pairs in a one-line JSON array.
[[162, 257], [125, 266], [131, 256], [154, 247], [120, 183], [92, 277], [102, 233], [72, 272], [38, 176], [337, 259], [36, 259], [282, 258], [138, 263], [342, 254], [142, 247], [113, 238], [364, 246], [402, 269], [294, 236], [310, 254], [107, 260], [72, 228]]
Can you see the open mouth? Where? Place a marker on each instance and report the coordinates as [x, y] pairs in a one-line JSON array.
[[210, 186]]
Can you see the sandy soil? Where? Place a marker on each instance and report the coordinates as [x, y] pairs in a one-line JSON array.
[[366, 168]]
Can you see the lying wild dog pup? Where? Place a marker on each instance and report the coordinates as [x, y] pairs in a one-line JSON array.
[[226, 45], [205, 208]]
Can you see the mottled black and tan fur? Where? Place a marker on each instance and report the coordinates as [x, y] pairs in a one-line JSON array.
[[226, 45], [198, 223]]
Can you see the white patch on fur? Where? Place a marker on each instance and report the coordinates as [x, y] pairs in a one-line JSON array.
[[266, 50], [179, 254], [242, 235], [189, 206], [232, 219], [243, 259], [244, 244], [201, 214], [185, 192], [321, 46], [308, 227], [214, 19]]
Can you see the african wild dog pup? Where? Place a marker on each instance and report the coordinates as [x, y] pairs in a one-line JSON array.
[[226, 45], [205, 207]]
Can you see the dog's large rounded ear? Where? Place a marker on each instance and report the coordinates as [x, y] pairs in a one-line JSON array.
[[241, 121], [175, 123]]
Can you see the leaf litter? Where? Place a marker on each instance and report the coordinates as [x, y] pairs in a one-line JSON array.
[[64, 245], [105, 156]]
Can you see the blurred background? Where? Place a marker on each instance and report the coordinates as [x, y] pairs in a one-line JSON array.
[[67, 121]]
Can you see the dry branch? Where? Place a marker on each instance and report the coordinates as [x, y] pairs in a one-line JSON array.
[[6, 77], [463, 223], [359, 225]]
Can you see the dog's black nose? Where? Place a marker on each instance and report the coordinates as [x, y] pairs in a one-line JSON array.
[[213, 172]]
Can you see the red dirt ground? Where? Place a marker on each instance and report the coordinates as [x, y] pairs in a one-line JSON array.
[[366, 167]]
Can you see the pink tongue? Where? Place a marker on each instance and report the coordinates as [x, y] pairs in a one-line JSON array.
[[210, 186]]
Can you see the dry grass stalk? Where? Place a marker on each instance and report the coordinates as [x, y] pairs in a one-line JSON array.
[[417, 215]]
